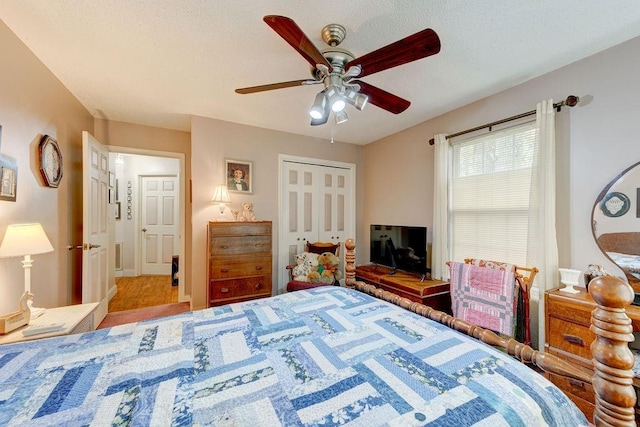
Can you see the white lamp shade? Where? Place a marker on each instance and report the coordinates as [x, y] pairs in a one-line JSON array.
[[221, 195], [24, 239]]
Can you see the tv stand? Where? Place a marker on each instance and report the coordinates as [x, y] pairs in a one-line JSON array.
[[418, 288]]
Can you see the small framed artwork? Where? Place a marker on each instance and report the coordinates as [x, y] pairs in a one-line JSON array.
[[239, 176], [615, 204], [118, 211], [112, 179], [8, 179]]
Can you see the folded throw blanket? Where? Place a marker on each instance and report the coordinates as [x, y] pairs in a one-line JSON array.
[[483, 296]]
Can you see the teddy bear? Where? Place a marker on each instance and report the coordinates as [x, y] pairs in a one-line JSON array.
[[247, 214], [327, 270], [305, 264]]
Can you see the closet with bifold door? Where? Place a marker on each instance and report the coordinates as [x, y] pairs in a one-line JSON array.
[[317, 205]]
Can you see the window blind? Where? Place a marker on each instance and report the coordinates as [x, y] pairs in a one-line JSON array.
[[491, 180]]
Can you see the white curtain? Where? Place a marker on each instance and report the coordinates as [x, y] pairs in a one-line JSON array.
[[542, 246], [440, 252]]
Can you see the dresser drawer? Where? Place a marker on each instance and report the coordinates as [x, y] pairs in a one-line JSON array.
[[569, 337], [234, 288], [224, 245], [563, 309], [240, 267], [574, 387], [236, 229]]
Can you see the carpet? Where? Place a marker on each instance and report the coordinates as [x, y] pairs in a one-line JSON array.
[[138, 314]]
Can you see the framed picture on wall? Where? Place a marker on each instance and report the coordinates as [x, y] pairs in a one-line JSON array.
[[239, 176], [8, 179]]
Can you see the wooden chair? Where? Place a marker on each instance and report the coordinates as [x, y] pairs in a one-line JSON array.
[[315, 248], [524, 277]]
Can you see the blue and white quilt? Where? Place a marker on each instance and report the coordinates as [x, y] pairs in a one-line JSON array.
[[321, 357]]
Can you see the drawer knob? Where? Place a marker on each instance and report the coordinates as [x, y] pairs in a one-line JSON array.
[[224, 247], [258, 267], [224, 270], [259, 286], [224, 290], [573, 339]]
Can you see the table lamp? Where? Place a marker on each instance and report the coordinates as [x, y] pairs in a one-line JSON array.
[[221, 196], [26, 240]]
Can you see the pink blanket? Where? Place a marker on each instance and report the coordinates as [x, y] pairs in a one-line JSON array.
[[483, 296]]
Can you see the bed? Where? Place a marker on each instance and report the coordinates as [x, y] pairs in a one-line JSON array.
[[318, 357]]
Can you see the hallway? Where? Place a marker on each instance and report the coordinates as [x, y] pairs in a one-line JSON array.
[[143, 291]]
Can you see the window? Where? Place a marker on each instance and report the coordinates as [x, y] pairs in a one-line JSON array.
[[490, 186]]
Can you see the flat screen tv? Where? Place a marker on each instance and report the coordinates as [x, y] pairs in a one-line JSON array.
[[400, 247]]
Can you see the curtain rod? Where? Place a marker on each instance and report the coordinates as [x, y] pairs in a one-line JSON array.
[[571, 101]]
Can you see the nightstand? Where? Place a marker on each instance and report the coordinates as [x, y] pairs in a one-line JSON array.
[[76, 318]]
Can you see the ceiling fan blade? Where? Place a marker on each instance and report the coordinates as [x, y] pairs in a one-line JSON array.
[[272, 86], [292, 34], [417, 46], [383, 99]]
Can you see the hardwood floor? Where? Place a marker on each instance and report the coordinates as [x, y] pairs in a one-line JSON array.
[[143, 291], [142, 298]]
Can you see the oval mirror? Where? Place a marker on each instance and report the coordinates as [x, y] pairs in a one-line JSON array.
[[615, 222]]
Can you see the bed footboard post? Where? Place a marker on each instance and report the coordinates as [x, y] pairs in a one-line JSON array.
[[612, 359], [350, 263]]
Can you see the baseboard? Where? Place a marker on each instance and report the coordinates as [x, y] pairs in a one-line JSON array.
[[112, 292]]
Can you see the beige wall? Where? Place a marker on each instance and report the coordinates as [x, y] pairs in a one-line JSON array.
[[34, 103], [212, 141]]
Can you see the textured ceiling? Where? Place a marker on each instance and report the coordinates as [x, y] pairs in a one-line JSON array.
[[158, 62]]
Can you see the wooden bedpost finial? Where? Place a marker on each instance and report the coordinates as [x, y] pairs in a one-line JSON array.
[[350, 263], [612, 359]]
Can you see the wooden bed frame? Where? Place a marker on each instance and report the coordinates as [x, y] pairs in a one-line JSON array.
[[612, 377]]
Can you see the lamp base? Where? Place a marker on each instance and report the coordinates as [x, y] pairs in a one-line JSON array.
[[35, 311]]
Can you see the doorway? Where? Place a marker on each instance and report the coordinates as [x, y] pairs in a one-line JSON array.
[[148, 237]]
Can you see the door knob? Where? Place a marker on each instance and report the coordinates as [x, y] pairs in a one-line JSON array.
[[144, 230], [89, 246]]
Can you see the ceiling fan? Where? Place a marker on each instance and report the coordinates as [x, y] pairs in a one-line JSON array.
[[336, 68]]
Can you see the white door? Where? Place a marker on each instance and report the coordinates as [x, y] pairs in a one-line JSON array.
[[299, 206], [159, 223], [95, 241], [334, 204], [317, 204]]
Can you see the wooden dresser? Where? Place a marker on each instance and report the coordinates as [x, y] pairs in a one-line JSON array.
[[568, 317], [239, 257], [434, 293]]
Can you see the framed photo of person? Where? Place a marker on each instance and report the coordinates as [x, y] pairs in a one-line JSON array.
[[239, 176], [8, 179]]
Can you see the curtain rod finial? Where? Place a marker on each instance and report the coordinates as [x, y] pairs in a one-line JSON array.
[[571, 101]]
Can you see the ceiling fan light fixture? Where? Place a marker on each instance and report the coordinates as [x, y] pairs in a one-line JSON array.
[[318, 109], [335, 99], [358, 100], [341, 117]]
